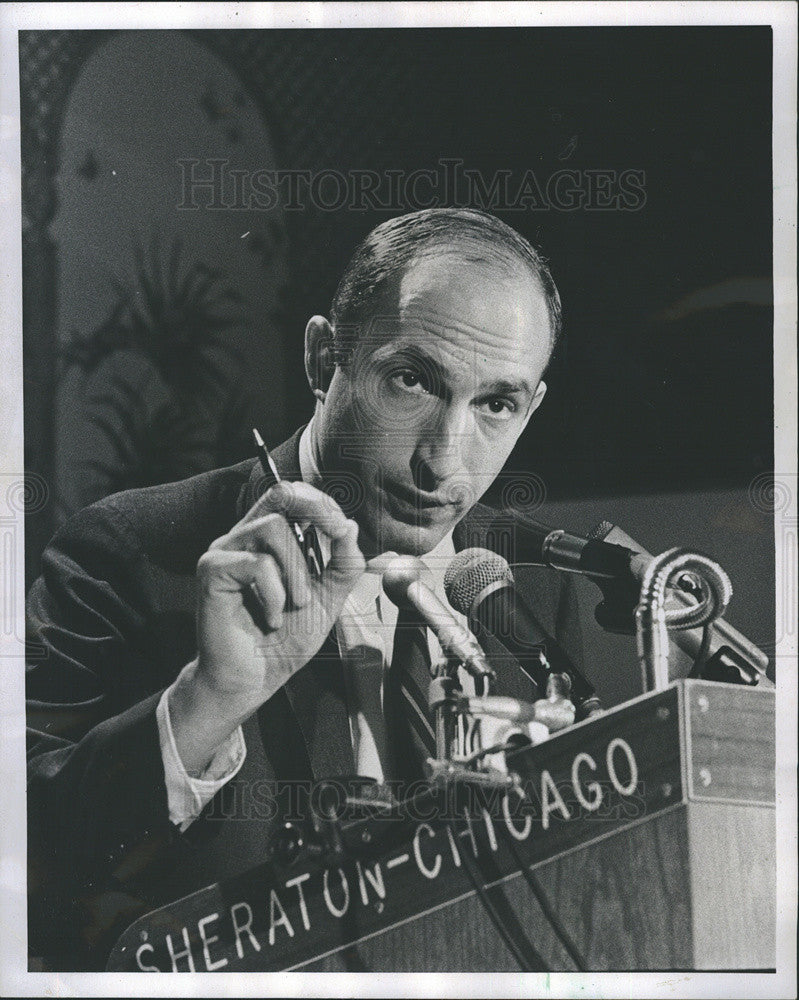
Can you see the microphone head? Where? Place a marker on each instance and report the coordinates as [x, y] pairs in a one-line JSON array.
[[600, 532], [400, 573], [470, 572]]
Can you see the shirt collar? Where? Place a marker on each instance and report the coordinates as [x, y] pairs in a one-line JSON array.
[[309, 467]]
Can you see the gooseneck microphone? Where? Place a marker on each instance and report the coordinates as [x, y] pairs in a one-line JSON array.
[[725, 640], [480, 584], [570, 553], [404, 584], [617, 564]]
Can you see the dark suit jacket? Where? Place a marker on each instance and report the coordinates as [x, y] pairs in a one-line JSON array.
[[111, 622]]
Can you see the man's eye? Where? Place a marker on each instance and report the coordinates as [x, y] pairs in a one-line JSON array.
[[409, 381], [497, 407]]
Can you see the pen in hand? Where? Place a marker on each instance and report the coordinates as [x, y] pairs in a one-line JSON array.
[[308, 539]]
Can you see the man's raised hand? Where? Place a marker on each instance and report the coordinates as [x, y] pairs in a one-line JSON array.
[[260, 615]]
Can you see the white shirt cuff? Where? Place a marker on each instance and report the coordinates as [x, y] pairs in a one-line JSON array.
[[187, 796]]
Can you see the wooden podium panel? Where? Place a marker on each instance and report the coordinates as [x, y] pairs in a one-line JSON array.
[[640, 899], [593, 891], [666, 862], [733, 886]]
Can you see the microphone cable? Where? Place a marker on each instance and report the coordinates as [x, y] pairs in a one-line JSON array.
[[501, 914], [530, 877], [537, 889]]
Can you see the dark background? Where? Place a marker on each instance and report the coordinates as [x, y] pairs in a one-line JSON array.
[[660, 399], [638, 403]]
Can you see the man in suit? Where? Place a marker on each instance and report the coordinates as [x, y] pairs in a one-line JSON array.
[[183, 661]]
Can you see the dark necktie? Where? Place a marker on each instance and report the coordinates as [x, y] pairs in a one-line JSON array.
[[410, 727]]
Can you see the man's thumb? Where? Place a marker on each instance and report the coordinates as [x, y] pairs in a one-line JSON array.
[[347, 563]]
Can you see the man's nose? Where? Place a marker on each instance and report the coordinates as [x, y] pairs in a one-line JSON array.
[[439, 454]]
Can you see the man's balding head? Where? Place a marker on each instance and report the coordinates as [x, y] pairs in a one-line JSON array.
[[471, 236]]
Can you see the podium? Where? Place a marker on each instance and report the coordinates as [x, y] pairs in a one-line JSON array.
[[650, 829]]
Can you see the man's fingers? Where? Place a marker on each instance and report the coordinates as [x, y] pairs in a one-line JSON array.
[[346, 561], [269, 587], [300, 502], [221, 573], [270, 537], [272, 533]]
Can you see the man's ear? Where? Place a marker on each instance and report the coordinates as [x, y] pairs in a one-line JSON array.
[[319, 364], [540, 392]]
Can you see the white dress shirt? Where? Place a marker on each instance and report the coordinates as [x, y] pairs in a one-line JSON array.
[[365, 636]]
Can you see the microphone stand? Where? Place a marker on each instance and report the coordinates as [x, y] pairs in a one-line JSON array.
[[456, 729], [733, 659], [459, 760], [459, 765]]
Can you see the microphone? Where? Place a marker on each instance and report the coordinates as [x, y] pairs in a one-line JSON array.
[[617, 565], [570, 553], [480, 584], [724, 640], [403, 584]]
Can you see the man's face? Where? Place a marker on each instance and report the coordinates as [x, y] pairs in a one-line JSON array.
[[435, 395]]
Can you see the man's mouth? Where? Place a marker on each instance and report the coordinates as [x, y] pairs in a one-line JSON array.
[[408, 499]]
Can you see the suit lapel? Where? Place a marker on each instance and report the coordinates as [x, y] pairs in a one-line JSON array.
[[287, 459]]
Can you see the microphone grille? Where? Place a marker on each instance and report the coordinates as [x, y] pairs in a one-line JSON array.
[[469, 573], [600, 532]]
